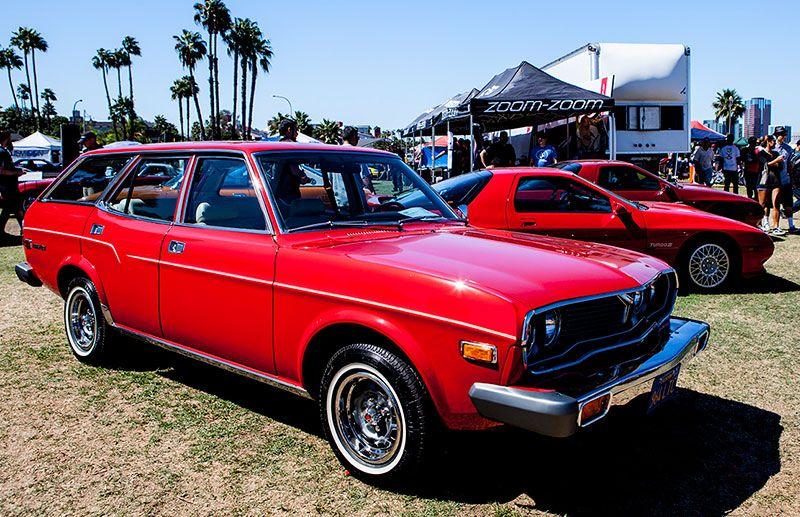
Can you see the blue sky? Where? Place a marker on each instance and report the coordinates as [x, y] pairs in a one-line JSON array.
[[382, 63]]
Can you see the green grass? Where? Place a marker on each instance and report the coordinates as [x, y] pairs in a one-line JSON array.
[[158, 434]]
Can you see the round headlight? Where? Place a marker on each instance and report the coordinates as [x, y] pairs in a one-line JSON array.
[[552, 327]]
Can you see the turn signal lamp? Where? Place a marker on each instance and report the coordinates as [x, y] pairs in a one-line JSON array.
[[594, 409], [479, 352]]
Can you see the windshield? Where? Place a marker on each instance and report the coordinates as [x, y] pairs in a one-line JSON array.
[[314, 189], [568, 166]]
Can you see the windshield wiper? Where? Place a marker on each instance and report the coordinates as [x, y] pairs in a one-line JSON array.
[[415, 218], [329, 224]]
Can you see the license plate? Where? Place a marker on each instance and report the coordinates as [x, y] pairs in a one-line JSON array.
[[664, 387]]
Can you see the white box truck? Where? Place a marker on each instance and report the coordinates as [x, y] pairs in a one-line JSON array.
[[651, 93]]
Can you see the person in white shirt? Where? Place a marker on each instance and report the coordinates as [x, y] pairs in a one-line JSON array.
[[703, 160], [730, 164]]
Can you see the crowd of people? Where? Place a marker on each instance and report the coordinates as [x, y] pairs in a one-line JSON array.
[[768, 166]]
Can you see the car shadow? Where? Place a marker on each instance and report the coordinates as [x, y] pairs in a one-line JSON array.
[[699, 454], [7, 241], [766, 283]]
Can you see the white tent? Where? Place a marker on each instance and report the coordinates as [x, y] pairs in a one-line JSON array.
[[301, 139], [38, 145]]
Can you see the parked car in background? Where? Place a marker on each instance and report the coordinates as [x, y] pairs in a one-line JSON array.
[[632, 182], [39, 165], [708, 250], [395, 316]]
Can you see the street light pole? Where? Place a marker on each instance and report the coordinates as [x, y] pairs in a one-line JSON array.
[[291, 111]]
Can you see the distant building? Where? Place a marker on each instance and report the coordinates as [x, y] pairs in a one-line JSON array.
[[722, 127], [788, 131], [757, 116]]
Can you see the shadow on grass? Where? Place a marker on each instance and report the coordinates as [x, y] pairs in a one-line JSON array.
[[698, 454], [8, 241], [761, 284]]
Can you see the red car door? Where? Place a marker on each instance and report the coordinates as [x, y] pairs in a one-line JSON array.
[[123, 241], [218, 266], [631, 182], [564, 207]]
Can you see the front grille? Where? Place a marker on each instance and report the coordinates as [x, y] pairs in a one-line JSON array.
[[599, 324], [589, 319]]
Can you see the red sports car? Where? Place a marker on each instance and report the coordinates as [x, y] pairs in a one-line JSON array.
[[632, 182], [708, 250]]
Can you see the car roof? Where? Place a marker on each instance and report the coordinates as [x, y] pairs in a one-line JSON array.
[[248, 147], [597, 161], [546, 171]]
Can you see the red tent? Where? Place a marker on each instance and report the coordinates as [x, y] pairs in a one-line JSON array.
[[701, 131]]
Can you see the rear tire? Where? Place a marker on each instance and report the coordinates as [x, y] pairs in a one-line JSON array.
[[87, 329], [708, 265], [375, 412]]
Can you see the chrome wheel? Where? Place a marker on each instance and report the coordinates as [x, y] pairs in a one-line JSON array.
[[80, 318], [709, 265], [366, 419]]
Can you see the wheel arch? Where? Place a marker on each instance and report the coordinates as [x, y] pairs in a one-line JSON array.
[[348, 327], [71, 269], [713, 236]]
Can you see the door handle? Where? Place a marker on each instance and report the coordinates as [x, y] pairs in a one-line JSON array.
[[528, 224], [97, 229], [176, 247]]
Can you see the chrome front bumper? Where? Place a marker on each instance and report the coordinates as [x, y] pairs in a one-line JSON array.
[[555, 414]]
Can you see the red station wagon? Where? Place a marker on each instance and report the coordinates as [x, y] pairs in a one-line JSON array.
[[632, 182], [268, 260], [708, 250]]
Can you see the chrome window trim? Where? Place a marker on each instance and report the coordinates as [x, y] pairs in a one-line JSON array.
[[45, 195], [278, 217], [102, 201], [525, 333], [255, 180]]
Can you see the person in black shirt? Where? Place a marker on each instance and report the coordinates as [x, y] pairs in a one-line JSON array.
[[288, 130], [9, 184], [500, 153]]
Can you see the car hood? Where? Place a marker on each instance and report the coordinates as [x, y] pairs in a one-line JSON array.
[[532, 270]]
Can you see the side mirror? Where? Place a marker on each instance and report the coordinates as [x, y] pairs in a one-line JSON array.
[[461, 210], [621, 210]]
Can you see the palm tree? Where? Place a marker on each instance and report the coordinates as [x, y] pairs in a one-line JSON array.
[[191, 48], [729, 106], [29, 41], [191, 91], [274, 123], [303, 122], [48, 96], [118, 60], [100, 62], [216, 18], [177, 90], [24, 93], [131, 48], [328, 131], [237, 39], [260, 58], [10, 60]]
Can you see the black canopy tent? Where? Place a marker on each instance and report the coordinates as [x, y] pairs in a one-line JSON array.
[[526, 96]]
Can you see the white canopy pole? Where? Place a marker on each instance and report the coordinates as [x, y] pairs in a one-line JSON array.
[[449, 150], [612, 148]]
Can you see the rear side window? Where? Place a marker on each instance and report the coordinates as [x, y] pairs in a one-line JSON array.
[[89, 178], [222, 196], [626, 178], [152, 189], [463, 189], [552, 194]]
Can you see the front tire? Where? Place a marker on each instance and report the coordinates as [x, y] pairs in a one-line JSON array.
[[708, 265], [87, 329], [375, 412]]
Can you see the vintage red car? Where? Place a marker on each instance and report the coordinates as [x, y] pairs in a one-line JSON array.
[[396, 317], [707, 250], [632, 182]]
